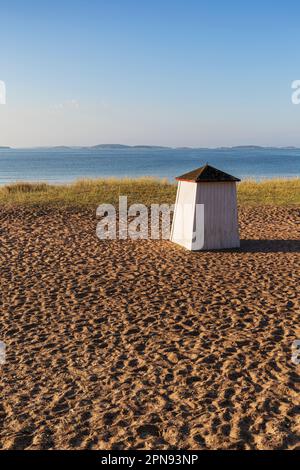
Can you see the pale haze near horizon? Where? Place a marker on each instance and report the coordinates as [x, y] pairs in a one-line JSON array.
[[200, 74]]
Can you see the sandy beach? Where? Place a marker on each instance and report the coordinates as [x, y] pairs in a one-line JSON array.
[[143, 345]]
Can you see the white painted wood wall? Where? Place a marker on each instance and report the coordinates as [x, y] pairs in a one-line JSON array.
[[183, 220], [220, 215]]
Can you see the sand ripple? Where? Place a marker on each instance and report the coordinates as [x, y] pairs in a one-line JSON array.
[[117, 345]]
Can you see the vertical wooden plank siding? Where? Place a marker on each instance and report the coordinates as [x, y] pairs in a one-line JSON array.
[[220, 214]]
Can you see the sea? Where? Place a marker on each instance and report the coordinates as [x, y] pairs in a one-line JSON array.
[[64, 165]]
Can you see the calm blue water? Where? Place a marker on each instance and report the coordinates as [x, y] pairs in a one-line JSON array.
[[57, 166]]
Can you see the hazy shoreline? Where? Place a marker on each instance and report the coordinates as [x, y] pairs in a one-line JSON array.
[[148, 147]]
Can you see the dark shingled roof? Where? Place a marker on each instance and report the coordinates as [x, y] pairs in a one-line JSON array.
[[206, 174]]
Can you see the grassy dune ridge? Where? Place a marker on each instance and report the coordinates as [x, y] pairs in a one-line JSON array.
[[91, 192]]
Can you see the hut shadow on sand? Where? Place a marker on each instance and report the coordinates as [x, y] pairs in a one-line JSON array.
[[268, 246]]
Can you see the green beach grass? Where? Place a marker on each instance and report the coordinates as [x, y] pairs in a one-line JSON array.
[[85, 193]]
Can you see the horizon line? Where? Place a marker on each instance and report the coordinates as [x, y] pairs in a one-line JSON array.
[[116, 145]]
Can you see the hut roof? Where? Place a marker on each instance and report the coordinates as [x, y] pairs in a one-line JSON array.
[[207, 174]]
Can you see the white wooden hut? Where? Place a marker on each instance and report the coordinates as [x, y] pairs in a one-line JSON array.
[[205, 214]]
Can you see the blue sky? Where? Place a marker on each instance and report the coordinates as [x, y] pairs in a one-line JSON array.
[[198, 73]]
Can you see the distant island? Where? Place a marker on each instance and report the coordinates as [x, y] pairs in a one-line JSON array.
[[99, 147], [236, 147], [243, 147], [149, 147], [121, 146], [255, 147]]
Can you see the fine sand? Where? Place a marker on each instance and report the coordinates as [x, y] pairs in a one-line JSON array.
[[141, 344]]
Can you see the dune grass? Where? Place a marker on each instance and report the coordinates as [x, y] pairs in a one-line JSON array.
[[84, 193], [276, 192]]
